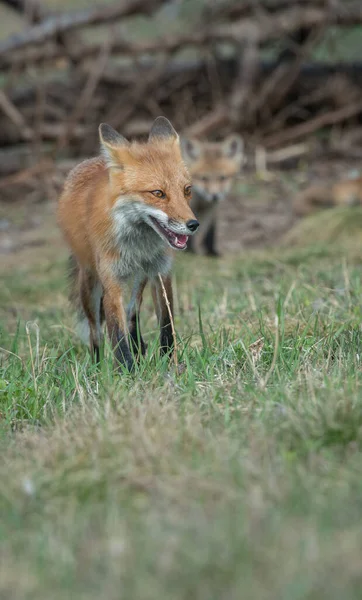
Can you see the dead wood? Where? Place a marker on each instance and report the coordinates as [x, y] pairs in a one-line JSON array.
[[31, 9], [235, 9], [262, 30], [25, 175], [311, 126], [15, 116], [53, 26], [59, 86]]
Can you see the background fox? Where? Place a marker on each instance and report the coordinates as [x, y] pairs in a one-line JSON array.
[[347, 192], [213, 167], [120, 214]]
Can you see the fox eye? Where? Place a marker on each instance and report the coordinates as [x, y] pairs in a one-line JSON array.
[[204, 178], [188, 189], [222, 178], [158, 193]]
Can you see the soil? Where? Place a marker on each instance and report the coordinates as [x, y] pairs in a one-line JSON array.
[[256, 215]]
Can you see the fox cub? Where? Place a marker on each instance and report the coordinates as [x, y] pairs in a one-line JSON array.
[[121, 214], [213, 167], [347, 192]]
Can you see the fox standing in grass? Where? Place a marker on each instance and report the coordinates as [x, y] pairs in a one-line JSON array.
[[213, 167], [120, 214]]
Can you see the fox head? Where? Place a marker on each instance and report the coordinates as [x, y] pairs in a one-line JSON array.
[[214, 165], [149, 183]]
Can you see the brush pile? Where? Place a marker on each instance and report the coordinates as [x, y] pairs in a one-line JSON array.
[[66, 72]]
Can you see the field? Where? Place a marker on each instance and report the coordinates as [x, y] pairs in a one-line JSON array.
[[238, 478]]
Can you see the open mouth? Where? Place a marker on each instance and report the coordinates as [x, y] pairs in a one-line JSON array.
[[176, 240]]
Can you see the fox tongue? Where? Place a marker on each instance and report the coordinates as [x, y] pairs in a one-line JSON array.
[[181, 240]]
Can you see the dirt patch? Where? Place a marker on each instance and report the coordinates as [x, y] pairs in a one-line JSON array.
[[257, 214]]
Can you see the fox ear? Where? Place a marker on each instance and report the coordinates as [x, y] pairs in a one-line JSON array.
[[191, 149], [110, 137], [111, 141], [233, 146], [162, 129]]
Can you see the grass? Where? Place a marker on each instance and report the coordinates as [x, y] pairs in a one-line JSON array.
[[241, 477], [326, 226]]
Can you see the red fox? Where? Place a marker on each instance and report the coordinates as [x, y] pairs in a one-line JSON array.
[[347, 192], [120, 214], [213, 167]]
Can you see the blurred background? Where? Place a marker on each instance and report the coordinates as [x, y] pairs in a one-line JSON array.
[[286, 74]]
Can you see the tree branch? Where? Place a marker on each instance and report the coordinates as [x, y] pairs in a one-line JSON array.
[[53, 26]]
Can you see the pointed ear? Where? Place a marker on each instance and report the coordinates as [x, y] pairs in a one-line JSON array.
[[191, 149], [111, 141], [233, 147], [162, 129]]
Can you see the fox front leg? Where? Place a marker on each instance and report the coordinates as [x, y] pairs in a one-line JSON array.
[[117, 331], [116, 318], [90, 290]]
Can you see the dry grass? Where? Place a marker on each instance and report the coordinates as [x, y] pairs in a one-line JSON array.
[[152, 499], [243, 473], [334, 226]]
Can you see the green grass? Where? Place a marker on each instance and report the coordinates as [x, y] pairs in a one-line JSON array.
[[239, 478]]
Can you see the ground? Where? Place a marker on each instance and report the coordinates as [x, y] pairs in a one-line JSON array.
[[239, 477]]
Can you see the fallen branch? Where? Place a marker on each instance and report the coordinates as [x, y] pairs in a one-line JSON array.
[[212, 121], [288, 153], [86, 96], [32, 9], [262, 29], [70, 85], [234, 9], [313, 125], [15, 116], [44, 166], [53, 26]]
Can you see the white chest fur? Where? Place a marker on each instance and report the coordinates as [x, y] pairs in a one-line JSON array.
[[142, 251]]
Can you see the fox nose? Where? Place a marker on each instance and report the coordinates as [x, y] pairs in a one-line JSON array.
[[192, 225], [214, 198]]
